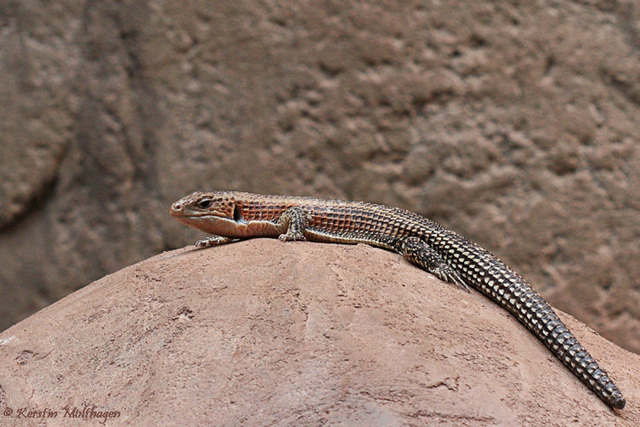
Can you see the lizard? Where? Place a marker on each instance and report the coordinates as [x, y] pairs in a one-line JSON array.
[[231, 216]]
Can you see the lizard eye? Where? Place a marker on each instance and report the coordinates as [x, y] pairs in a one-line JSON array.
[[205, 204]]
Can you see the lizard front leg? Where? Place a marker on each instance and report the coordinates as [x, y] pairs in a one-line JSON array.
[[292, 224], [419, 253], [212, 241]]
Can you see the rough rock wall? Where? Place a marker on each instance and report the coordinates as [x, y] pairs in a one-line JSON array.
[[514, 123]]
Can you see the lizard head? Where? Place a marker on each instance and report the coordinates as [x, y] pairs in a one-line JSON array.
[[213, 213]]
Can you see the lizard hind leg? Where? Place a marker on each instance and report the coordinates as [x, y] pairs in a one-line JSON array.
[[419, 253]]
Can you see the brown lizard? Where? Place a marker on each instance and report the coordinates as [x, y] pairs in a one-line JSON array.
[[230, 216]]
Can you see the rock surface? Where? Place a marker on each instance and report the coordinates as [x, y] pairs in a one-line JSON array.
[[265, 333], [514, 123]]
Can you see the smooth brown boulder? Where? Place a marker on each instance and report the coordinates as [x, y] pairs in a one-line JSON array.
[[262, 333]]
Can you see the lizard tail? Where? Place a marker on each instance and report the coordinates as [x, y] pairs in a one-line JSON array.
[[488, 274]]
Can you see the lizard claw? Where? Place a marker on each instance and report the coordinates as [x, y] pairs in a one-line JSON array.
[[212, 241], [457, 280], [291, 237], [449, 275]]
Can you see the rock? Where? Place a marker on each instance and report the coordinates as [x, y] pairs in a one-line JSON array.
[[260, 332], [514, 123]]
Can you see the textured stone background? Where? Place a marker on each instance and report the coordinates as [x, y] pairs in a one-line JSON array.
[[514, 123]]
